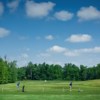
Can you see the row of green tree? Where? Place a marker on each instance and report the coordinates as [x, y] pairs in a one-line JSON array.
[[57, 72], [10, 72]]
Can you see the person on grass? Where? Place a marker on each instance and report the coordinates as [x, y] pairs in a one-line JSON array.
[[18, 84], [70, 85], [23, 88]]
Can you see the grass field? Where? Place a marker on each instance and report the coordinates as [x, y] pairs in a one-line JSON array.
[[51, 90]]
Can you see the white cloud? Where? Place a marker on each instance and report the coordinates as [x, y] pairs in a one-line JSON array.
[[57, 49], [4, 32], [62, 50], [49, 37], [39, 10], [88, 13], [96, 49], [89, 50], [76, 56], [71, 53], [79, 38], [13, 5], [63, 15], [1, 8]]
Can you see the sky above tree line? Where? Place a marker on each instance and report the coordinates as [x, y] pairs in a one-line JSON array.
[[51, 31]]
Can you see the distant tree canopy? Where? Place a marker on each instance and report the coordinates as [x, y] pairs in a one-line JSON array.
[[10, 73]]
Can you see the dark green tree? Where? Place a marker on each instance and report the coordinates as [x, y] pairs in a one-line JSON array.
[[21, 73], [83, 72], [3, 71], [12, 72]]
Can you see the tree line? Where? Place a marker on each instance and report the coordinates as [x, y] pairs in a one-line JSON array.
[[10, 72]]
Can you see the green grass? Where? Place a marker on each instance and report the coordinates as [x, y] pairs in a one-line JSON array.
[[51, 90]]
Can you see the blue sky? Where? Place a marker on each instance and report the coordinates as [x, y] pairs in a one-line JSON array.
[[51, 31]]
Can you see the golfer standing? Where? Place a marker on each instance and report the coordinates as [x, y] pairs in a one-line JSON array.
[[18, 85], [23, 88], [70, 85]]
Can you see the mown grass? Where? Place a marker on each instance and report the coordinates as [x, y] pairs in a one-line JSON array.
[[51, 90]]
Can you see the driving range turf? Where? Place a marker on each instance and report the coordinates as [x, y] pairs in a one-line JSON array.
[[51, 90]]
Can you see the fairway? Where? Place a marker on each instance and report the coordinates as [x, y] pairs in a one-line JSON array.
[[51, 90]]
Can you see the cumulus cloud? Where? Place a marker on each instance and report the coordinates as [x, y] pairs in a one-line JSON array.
[[88, 50], [62, 50], [57, 49], [4, 32], [39, 10], [73, 52], [88, 13], [49, 37], [1, 8], [79, 38], [13, 5], [63, 15], [77, 52]]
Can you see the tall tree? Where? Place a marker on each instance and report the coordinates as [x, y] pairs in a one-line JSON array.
[[29, 70], [70, 72], [98, 71], [21, 73], [3, 71], [83, 72], [12, 72]]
